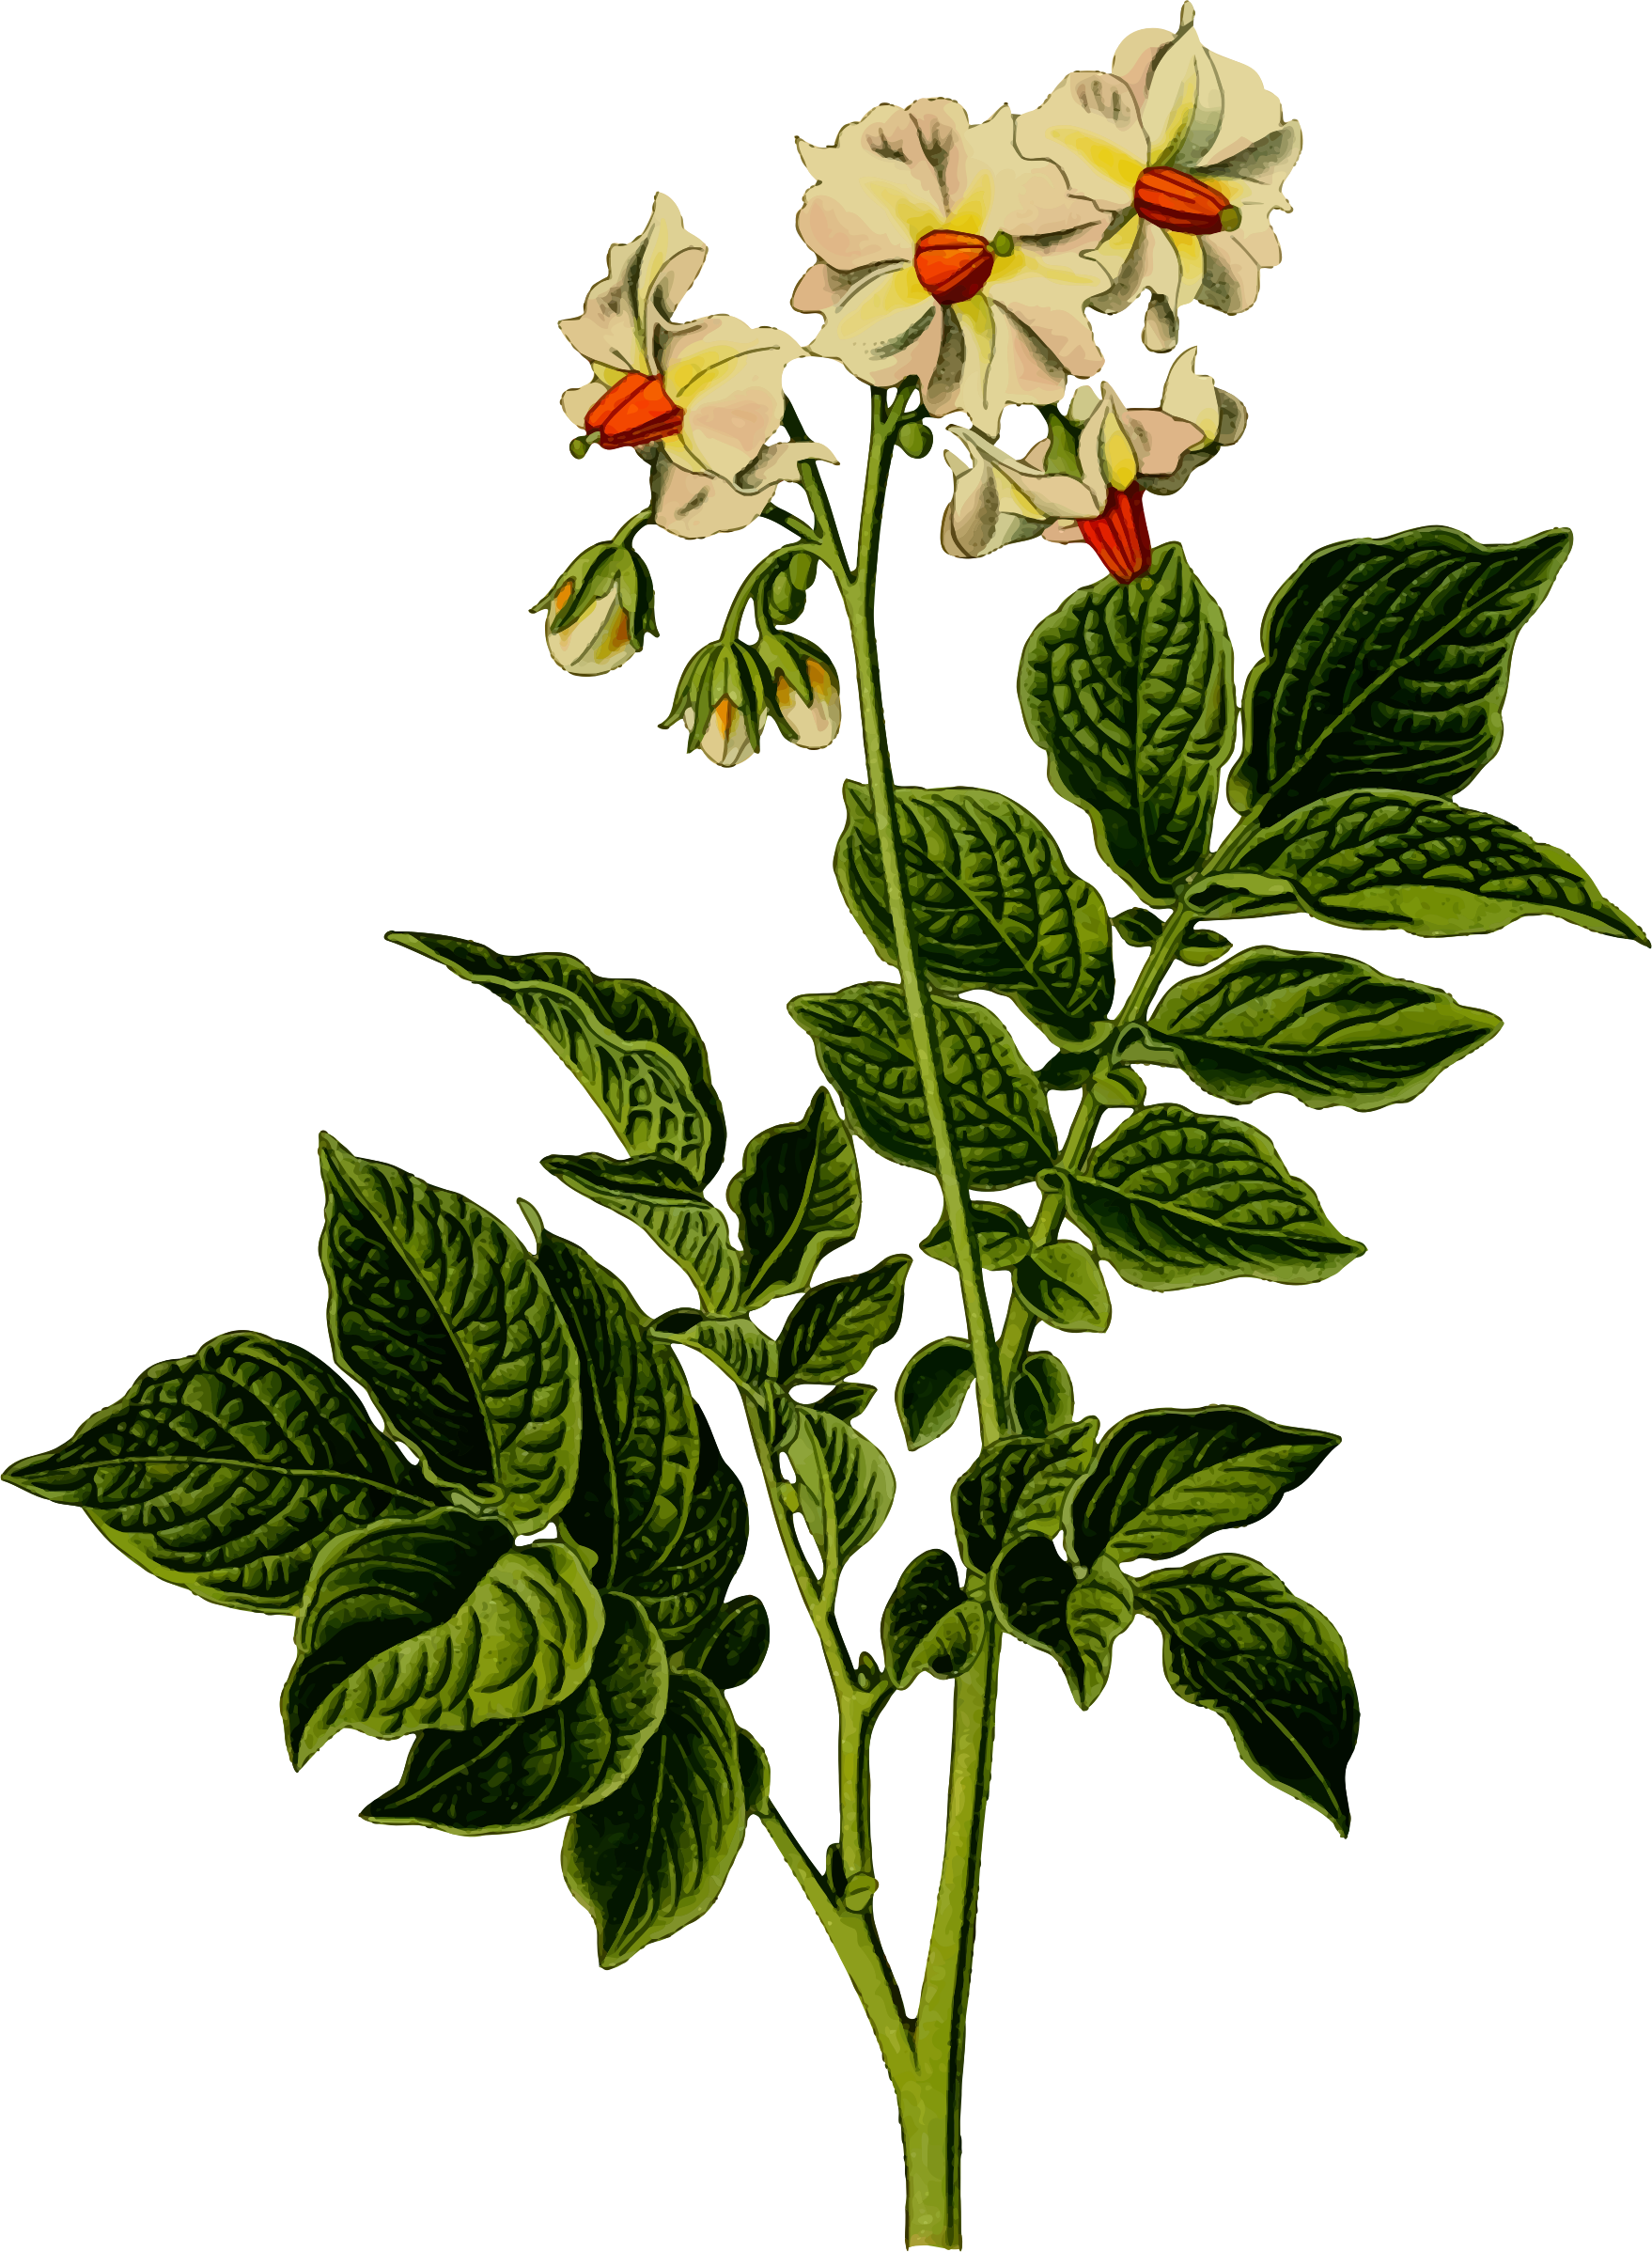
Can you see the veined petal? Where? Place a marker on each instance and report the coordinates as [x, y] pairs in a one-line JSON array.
[[693, 505], [1181, 112], [879, 186], [727, 378], [1090, 126], [1248, 112], [997, 500], [881, 323], [1232, 277], [1161, 440], [778, 466], [963, 380], [1045, 297], [1008, 191], [1107, 452], [1135, 58], [626, 314], [1254, 175], [1190, 397]]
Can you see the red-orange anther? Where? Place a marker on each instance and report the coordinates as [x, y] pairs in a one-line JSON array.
[[952, 266], [634, 411], [1119, 534], [1186, 206]]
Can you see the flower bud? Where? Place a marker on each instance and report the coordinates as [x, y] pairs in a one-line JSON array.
[[806, 694], [724, 697], [599, 611]]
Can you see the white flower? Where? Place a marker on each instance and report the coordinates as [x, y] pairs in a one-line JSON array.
[[946, 257], [1085, 480], [699, 399], [1189, 150]]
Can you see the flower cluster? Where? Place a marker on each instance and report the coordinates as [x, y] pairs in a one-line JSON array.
[[961, 262]]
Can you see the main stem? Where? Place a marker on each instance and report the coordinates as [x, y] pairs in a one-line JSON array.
[[930, 2098]]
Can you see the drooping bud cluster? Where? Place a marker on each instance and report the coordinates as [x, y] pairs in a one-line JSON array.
[[599, 610], [730, 689]]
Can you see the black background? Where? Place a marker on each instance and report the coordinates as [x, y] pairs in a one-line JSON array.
[[318, 709]]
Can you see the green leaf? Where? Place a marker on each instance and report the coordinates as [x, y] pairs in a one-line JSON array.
[[993, 904], [830, 1334], [1138, 927], [631, 1046], [686, 1588], [1163, 1478], [517, 1775], [1018, 1485], [1061, 1284], [1000, 1119], [663, 1200], [753, 1775], [930, 1626], [653, 1856], [1001, 1237], [1041, 1601], [738, 1347], [842, 1478], [846, 1400], [1384, 664], [1239, 1643], [932, 1387], [639, 1442], [228, 1471], [1043, 1395], [731, 1648], [436, 1621], [1200, 947], [798, 1196], [436, 1308], [1129, 692], [1317, 1027], [1388, 860], [1173, 1199]]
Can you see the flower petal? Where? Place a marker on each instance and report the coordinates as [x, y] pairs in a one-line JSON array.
[[1089, 126], [881, 322], [626, 314], [1231, 277], [997, 500], [577, 404], [1159, 441], [1248, 112], [727, 378], [693, 507], [1107, 458], [879, 187], [778, 466], [1181, 112], [1190, 397]]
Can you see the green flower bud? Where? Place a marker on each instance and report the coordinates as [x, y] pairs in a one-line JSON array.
[[808, 702], [599, 611], [724, 696]]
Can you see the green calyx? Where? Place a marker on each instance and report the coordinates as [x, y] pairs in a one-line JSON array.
[[722, 672], [1062, 459], [609, 571]]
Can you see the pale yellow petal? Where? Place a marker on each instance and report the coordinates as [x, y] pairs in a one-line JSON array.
[[1089, 126], [1189, 396], [693, 505], [626, 314], [727, 380], [1106, 457], [1183, 111], [881, 323]]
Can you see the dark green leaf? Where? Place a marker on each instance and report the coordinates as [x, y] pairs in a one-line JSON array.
[[436, 1621], [1200, 947], [1000, 1119], [842, 1479], [228, 1472], [653, 1856], [684, 1590], [1040, 1598], [437, 1309], [1173, 1199], [631, 1046], [1166, 1477], [1018, 1485], [830, 1334], [932, 1387], [1239, 1643], [753, 1775], [1119, 1089], [1061, 1284], [1001, 1237], [1043, 1395], [639, 1439], [846, 1400], [993, 904], [1387, 860], [1069, 1068], [929, 1624], [1317, 1027], [1129, 691], [1384, 664], [663, 1200], [798, 1196], [729, 1649], [737, 1346], [516, 1775]]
